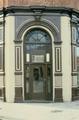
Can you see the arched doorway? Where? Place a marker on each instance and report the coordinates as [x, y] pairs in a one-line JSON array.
[[37, 65]]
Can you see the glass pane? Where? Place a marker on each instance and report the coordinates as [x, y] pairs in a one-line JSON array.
[[1, 58], [47, 57], [1, 35], [27, 78], [37, 58], [49, 77], [37, 79], [27, 57], [74, 34]]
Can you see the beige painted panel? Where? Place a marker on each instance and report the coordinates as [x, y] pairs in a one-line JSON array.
[[9, 58], [66, 58], [58, 81], [18, 81]]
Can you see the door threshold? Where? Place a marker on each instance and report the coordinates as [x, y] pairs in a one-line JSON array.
[[37, 101]]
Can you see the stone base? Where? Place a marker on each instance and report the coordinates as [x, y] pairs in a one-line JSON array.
[[58, 95], [75, 94], [18, 94]]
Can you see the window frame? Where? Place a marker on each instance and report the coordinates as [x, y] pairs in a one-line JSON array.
[[2, 59], [74, 33]]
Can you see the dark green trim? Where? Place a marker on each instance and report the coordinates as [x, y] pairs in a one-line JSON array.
[[58, 42], [17, 41], [58, 95], [58, 74], [39, 9], [75, 93], [18, 73], [74, 74], [18, 94], [2, 73]]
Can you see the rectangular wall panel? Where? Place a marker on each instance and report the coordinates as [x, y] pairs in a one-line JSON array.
[[18, 58]]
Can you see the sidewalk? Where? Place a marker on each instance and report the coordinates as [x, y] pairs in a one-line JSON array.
[[39, 111]]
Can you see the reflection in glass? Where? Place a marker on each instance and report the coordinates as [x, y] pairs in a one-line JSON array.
[[47, 57], [27, 57], [27, 78], [49, 77], [37, 79], [27, 72]]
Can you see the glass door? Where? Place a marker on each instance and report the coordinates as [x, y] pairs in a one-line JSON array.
[[38, 82]]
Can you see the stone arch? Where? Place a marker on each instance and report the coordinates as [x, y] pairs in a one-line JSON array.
[[43, 24]]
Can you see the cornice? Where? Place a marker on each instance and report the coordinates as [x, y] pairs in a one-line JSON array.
[[39, 9]]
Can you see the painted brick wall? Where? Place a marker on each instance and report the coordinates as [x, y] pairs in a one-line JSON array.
[[68, 3]]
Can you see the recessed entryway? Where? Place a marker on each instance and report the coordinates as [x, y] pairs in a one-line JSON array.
[[37, 65]]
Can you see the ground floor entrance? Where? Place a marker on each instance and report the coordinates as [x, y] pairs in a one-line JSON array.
[[38, 82], [37, 65]]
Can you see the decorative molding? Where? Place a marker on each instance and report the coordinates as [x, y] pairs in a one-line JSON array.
[[75, 44], [18, 73], [17, 41], [61, 10], [58, 62], [2, 73], [74, 60], [58, 74], [18, 62], [58, 42], [74, 74]]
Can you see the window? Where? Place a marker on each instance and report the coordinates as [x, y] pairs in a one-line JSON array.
[[1, 50], [37, 36], [37, 46], [1, 58], [74, 59], [1, 35], [58, 59], [74, 34], [77, 35]]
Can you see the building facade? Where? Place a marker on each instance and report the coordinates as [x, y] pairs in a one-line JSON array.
[[39, 51]]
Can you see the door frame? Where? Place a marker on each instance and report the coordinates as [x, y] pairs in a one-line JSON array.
[[44, 95], [52, 52]]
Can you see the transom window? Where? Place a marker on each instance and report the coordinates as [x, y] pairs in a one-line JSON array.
[[37, 36], [37, 46]]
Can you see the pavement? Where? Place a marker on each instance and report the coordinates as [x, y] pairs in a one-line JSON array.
[[39, 111]]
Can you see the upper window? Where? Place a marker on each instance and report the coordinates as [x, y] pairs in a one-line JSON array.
[[1, 58], [37, 36], [77, 35], [74, 34], [1, 34]]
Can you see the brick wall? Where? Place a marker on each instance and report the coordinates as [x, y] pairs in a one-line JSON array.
[[68, 3]]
